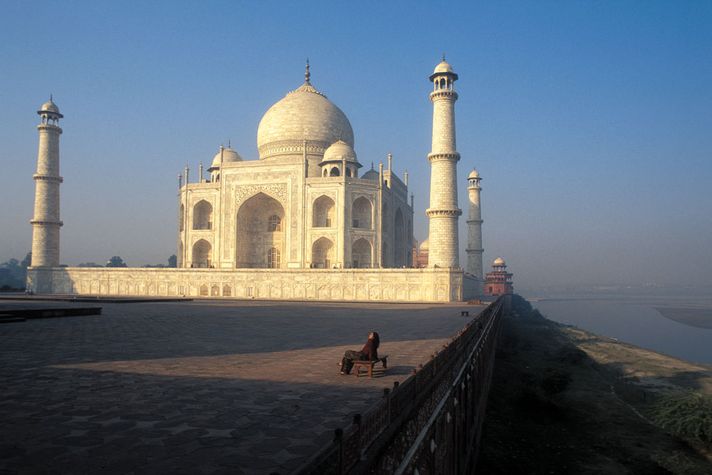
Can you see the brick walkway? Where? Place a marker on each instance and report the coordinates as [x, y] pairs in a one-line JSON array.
[[196, 387]]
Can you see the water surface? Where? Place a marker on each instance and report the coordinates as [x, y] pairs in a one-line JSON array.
[[684, 332]]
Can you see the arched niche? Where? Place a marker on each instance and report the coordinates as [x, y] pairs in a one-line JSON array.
[[202, 215], [361, 213], [322, 253], [202, 254], [361, 253], [323, 211]]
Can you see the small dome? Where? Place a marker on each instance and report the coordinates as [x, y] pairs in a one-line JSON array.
[[425, 245], [499, 262], [339, 151], [228, 155], [50, 107], [443, 67], [370, 175], [473, 174]]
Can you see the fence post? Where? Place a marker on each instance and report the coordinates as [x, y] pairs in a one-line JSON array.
[[387, 395], [339, 441], [357, 423]]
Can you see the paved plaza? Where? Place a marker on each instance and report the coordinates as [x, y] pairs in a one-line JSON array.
[[196, 387]]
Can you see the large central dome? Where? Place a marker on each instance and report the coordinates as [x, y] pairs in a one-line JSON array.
[[303, 114]]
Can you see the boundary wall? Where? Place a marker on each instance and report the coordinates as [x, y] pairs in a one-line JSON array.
[[363, 285], [429, 424]]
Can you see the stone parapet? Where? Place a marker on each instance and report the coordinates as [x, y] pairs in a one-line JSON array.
[[360, 285]]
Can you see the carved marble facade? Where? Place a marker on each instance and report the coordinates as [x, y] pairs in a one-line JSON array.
[[300, 222], [384, 285]]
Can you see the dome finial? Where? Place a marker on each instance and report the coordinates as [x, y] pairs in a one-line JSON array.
[[307, 74], [443, 56]]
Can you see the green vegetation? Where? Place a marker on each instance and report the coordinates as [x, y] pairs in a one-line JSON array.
[[116, 261], [687, 414], [13, 274], [172, 262]]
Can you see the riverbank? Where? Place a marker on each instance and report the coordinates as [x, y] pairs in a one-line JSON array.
[[567, 401]]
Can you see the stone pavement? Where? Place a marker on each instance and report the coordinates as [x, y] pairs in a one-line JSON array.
[[197, 387]]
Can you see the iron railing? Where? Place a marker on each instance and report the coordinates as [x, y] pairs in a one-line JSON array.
[[430, 424]]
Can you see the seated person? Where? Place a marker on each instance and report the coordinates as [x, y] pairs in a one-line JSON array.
[[369, 352]]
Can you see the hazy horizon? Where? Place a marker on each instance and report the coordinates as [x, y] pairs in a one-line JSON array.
[[588, 121]]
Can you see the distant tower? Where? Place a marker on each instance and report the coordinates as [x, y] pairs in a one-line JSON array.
[[46, 223], [443, 213], [474, 226], [499, 281]]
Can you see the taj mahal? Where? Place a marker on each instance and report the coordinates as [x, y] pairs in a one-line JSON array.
[[303, 221]]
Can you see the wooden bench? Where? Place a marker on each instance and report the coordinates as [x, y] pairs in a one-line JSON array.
[[369, 365]]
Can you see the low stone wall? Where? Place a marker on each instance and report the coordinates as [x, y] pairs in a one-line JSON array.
[[372, 285]]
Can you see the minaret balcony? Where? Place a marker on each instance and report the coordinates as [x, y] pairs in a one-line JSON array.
[[443, 212], [57, 179], [47, 222], [443, 94], [452, 156]]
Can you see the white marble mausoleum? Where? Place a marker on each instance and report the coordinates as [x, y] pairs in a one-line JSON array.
[[303, 221]]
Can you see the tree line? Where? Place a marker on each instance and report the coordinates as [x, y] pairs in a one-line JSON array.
[[13, 273]]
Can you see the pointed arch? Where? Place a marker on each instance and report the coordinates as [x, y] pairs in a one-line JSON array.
[[202, 215], [361, 253], [322, 253], [260, 228], [323, 211], [361, 212], [202, 254]]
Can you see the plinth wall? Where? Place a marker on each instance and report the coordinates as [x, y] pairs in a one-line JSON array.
[[365, 285]]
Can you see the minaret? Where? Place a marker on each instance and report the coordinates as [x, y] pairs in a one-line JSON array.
[[474, 226], [46, 223], [443, 213]]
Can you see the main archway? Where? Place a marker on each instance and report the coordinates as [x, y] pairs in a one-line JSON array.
[[260, 239]]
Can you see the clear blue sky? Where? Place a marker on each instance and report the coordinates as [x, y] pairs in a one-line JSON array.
[[591, 122]]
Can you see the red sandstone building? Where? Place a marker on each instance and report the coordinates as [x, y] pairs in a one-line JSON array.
[[499, 281]]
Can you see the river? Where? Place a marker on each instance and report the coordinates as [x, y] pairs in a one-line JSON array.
[[674, 325]]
